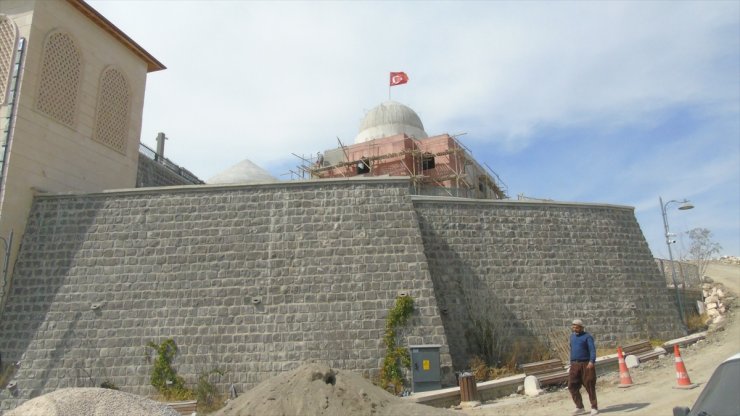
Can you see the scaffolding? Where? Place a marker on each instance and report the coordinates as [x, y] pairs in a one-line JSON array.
[[451, 171]]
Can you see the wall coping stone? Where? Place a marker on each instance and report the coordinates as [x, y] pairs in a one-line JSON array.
[[313, 182], [420, 199], [236, 186]]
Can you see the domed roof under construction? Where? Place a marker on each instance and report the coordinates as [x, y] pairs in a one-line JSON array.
[[388, 119]]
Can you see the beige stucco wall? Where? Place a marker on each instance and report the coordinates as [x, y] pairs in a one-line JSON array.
[[45, 155]]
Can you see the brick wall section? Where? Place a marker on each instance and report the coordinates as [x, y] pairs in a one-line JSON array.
[[151, 173], [519, 269], [326, 259]]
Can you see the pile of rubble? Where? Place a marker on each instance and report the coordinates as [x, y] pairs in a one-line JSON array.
[[315, 389], [91, 401], [716, 301]]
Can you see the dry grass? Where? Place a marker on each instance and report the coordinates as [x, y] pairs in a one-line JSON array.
[[482, 372], [559, 343], [213, 405], [696, 323]]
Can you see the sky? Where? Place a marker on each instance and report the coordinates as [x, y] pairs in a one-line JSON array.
[[605, 102]]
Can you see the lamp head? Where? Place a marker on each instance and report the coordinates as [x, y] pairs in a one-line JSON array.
[[686, 205]]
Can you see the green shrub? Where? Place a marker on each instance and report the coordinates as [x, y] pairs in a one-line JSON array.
[[395, 356], [164, 378]]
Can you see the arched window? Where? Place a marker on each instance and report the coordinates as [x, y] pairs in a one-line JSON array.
[[59, 85], [8, 40], [112, 114]]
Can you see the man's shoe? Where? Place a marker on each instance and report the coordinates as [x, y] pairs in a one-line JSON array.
[[594, 412], [579, 411]]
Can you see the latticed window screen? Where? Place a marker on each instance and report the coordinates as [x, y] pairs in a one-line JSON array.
[[61, 68], [111, 119], [8, 38]]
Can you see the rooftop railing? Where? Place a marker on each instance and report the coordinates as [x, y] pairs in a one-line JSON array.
[[175, 168]]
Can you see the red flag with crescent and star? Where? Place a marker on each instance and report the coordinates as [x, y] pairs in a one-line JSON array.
[[398, 78]]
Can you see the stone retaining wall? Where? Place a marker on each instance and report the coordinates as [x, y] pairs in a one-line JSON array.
[[506, 272], [256, 279], [253, 280]]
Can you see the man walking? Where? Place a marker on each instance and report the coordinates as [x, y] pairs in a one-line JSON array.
[[582, 368]]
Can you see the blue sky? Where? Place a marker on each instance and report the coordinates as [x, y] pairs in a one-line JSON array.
[[610, 102]]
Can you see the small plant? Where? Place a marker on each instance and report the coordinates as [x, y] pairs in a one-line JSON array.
[[483, 372], [205, 392], [657, 342], [479, 368], [396, 357], [164, 378], [696, 322], [107, 384]]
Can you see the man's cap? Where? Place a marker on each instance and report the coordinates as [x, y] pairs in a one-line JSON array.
[[577, 322]]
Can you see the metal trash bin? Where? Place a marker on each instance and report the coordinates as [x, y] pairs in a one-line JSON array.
[[425, 368]]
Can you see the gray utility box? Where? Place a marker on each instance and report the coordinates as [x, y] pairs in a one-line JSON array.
[[425, 371]]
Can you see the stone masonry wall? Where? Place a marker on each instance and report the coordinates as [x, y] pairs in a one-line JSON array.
[[505, 271], [249, 279], [256, 279]]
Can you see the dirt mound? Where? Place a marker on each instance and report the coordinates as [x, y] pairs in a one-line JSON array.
[[318, 390], [91, 402]]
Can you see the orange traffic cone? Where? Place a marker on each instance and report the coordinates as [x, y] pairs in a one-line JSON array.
[[681, 375], [624, 374]]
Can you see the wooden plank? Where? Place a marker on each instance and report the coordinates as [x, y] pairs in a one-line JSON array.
[[637, 348], [185, 407], [548, 372], [538, 364], [643, 350]]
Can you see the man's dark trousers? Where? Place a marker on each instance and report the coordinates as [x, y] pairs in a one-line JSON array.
[[580, 375]]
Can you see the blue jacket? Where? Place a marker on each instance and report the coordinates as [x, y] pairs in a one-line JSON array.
[[582, 347]]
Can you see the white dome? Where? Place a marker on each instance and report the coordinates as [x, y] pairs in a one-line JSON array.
[[388, 119], [243, 172]]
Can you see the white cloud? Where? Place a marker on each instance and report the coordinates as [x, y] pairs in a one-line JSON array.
[[262, 80]]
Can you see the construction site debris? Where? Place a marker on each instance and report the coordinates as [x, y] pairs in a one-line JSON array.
[[318, 390], [91, 401]]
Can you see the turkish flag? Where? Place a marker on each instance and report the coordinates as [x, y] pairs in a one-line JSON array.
[[398, 78]]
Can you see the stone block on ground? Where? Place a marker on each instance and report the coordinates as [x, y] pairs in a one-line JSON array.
[[532, 386], [632, 361]]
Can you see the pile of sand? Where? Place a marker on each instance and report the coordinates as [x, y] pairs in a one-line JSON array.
[[317, 390], [91, 402]]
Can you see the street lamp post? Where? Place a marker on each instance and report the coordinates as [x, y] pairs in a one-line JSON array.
[[685, 204]]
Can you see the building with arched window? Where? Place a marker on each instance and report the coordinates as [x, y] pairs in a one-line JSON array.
[[71, 100]]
